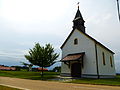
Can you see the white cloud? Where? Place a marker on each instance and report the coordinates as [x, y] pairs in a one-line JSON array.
[[18, 54], [32, 16], [99, 19], [30, 10]]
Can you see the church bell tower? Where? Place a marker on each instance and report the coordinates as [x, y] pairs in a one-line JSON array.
[[78, 22]]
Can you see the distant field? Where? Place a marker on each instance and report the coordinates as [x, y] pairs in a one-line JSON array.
[[29, 75], [7, 88]]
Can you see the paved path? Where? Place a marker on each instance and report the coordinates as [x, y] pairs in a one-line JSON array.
[[47, 85]]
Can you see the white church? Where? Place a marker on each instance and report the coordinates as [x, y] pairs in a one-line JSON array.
[[83, 56]]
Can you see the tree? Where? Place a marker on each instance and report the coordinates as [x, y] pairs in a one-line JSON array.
[[42, 56], [29, 65]]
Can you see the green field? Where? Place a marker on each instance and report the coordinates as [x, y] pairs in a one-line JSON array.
[[112, 81], [29, 75], [7, 88]]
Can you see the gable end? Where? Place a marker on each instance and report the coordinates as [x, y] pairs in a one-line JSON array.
[[89, 38]]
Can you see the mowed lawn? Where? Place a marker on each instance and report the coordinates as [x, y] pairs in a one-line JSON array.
[[29, 75]]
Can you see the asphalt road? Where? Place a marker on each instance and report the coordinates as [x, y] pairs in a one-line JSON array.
[[50, 85]]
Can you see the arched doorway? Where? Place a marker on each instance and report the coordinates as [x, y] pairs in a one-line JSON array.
[[76, 70]]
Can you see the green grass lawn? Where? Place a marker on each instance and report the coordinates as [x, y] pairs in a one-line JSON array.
[[29, 75], [112, 81], [7, 88]]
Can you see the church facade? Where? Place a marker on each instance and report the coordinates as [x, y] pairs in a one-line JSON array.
[[83, 56]]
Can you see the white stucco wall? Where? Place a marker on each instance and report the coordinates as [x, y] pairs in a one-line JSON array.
[[86, 45], [105, 69], [65, 68]]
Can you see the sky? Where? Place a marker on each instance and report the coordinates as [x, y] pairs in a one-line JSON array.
[[26, 22]]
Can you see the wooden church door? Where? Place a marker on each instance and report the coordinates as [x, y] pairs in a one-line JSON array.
[[76, 70]]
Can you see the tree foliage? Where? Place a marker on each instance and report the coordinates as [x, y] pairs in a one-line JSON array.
[[43, 56]]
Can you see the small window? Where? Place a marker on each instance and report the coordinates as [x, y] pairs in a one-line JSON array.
[[111, 61], [103, 55], [75, 41]]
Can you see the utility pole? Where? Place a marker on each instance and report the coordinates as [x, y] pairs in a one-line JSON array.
[[118, 8]]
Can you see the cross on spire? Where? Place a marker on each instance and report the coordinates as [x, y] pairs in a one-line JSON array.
[[78, 4]]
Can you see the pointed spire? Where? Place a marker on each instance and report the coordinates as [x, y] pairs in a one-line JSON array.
[[78, 22], [78, 14]]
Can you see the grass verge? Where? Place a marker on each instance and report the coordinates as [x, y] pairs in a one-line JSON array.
[[109, 81], [7, 88]]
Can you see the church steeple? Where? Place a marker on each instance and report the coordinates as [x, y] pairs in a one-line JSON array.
[[78, 22]]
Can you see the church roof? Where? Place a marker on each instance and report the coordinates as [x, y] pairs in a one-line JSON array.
[[78, 15], [88, 37], [72, 57]]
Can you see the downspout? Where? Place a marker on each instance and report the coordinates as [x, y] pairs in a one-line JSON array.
[[96, 60]]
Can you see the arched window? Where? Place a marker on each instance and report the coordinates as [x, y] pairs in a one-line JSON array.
[[75, 41], [103, 55], [111, 61]]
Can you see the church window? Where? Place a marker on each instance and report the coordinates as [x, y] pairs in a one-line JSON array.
[[75, 41], [111, 61], [103, 55]]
